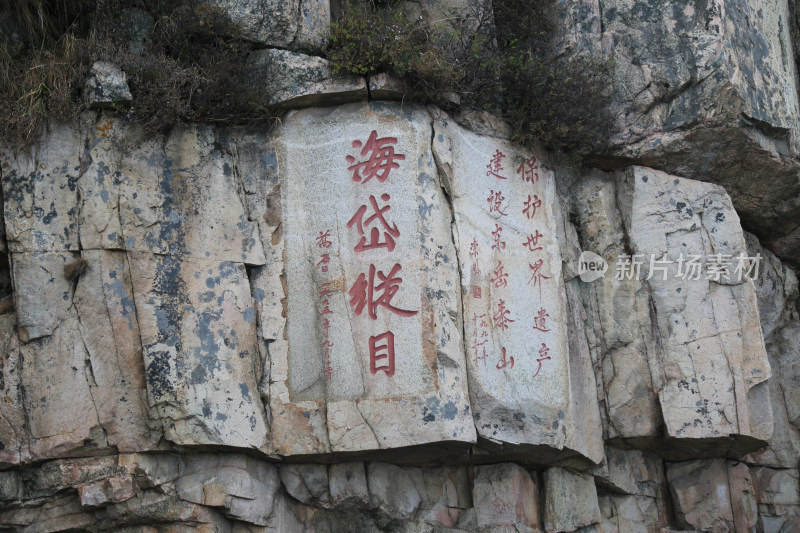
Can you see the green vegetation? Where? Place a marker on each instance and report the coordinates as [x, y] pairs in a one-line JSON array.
[[367, 40], [502, 58], [40, 75], [561, 99], [190, 64]]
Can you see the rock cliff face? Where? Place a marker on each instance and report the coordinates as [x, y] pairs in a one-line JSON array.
[[380, 317]]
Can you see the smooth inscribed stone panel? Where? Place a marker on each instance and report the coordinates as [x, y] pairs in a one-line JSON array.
[[506, 217], [374, 355]]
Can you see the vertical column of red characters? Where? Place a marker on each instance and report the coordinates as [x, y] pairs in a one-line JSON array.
[[528, 171], [375, 288], [324, 243]]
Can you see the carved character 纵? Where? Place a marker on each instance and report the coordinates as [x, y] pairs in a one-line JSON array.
[[363, 290]]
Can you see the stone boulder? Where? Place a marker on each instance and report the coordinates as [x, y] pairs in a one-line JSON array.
[[693, 339], [289, 79], [570, 500], [289, 24], [107, 86], [506, 499]]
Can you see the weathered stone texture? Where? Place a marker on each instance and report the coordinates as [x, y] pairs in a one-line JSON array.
[[289, 24], [648, 321], [224, 363], [706, 91], [506, 499], [292, 79], [40, 194], [777, 294], [620, 335], [716, 392], [632, 491], [570, 500], [523, 373], [165, 306], [347, 404]]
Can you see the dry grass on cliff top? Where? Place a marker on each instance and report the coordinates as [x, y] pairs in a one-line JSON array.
[[193, 68], [501, 56]]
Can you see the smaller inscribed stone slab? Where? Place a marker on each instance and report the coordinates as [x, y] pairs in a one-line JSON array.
[[374, 357], [506, 211]]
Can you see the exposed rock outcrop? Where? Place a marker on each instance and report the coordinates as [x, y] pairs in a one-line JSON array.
[[381, 316]]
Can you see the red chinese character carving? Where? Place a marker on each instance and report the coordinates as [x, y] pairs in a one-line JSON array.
[[326, 325], [496, 200], [505, 361], [380, 162], [362, 291], [531, 206], [482, 356], [326, 289], [500, 278], [389, 234], [533, 241], [537, 275], [323, 263], [476, 292], [326, 310], [495, 165], [475, 269], [501, 319], [388, 366], [544, 355], [322, 239], [482, 345], [527, 169], [498, 244], [473, 248], [540, 320]]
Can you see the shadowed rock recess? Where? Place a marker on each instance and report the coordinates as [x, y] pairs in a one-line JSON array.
[[380, 316]]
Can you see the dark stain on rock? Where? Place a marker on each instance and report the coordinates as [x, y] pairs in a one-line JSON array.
[[46, 219], [17, 187], [157, 374], [245, 390], [450, 411], [227, 269], [169, 285], [207, 296], [206, 353]]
